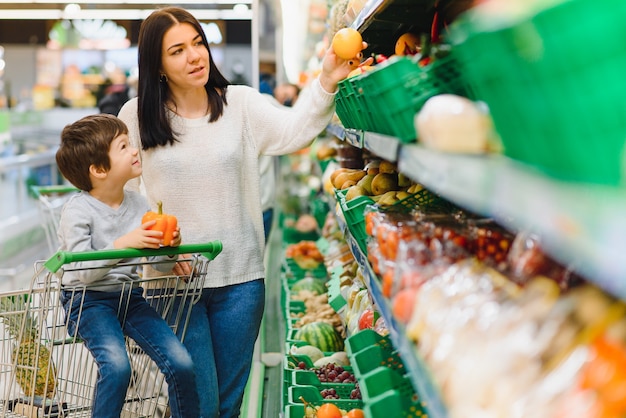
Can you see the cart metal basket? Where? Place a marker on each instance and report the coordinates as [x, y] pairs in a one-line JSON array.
[[50, 202], [44, 372]]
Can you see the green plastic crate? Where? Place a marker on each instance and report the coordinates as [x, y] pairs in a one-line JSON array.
[[335, 298], [312, 395], [396, 88], [394, 404], [381, 379], [385, 390], [351, 105], [554, 84], [308, 378], [354, 213], [424, 200], [367, 338], [375, 356]]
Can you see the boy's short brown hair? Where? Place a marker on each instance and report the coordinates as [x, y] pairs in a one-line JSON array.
[[86, 142]]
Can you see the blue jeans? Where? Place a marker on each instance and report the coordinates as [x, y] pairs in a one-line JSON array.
[[221, 333], [102, 328], [268, 217]]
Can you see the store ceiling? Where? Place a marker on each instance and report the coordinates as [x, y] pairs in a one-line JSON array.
[[120, 9]]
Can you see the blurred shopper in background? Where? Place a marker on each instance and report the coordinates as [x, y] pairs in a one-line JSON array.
[[116, 95], [200, 139]]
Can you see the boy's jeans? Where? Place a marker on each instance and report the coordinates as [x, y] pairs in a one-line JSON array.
[[103, 330]]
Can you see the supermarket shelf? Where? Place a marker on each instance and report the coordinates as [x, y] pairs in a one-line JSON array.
[[417, 369], [382, 21], [581, 225], [384, 146]]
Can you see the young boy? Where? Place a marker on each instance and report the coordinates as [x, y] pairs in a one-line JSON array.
[[95, 156]]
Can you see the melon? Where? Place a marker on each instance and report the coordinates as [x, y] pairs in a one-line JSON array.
[[321, 335], [310, 283]]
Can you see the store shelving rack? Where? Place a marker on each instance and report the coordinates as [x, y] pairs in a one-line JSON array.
[[579, 224]]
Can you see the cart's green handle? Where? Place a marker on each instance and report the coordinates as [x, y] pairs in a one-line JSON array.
[[45, 190], [210, 250]]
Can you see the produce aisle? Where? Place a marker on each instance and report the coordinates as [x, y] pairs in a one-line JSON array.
[[472, 254]]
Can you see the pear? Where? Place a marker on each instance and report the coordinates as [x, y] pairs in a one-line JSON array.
[[414, 188], [355, 191], [353, 175], [347, 184], [335, 173], [386, 167], [404, 181], [384, 182], [372, 167], [366, 183], [338, 177], [401, 195], [388, 199]]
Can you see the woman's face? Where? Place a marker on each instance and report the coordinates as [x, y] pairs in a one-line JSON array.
[[184, 58]]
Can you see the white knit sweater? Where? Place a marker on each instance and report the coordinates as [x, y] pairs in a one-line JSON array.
[[210, 178]]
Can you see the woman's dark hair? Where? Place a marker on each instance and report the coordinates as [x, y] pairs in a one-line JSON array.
[[87, 142], [154, 125]]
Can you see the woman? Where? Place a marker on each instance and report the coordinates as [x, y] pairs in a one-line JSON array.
[[200, 141]]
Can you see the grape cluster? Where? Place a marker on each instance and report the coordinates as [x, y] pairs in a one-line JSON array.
[[356, 392], [333, 373], [330, 393]]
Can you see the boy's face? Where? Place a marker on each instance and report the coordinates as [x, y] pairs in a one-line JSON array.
[[125, 164]]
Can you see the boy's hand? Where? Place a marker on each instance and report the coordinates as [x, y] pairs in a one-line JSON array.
[[176, 238], [141, 237]]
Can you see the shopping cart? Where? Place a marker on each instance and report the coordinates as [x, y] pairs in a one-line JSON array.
[[50, 201], [44, 372]]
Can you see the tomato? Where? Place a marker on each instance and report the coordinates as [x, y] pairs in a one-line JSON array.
[[328, 410], [367, 319], [347, 43], [355, 413]]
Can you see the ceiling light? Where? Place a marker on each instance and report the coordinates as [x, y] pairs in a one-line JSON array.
[[240, 8], [71, 10]]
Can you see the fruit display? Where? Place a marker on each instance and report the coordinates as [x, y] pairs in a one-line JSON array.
[[481, 319], [378, 180]]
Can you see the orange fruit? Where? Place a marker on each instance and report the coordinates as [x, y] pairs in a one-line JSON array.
[[407, 44], [347, 43], [355, 413], [328, 410]]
